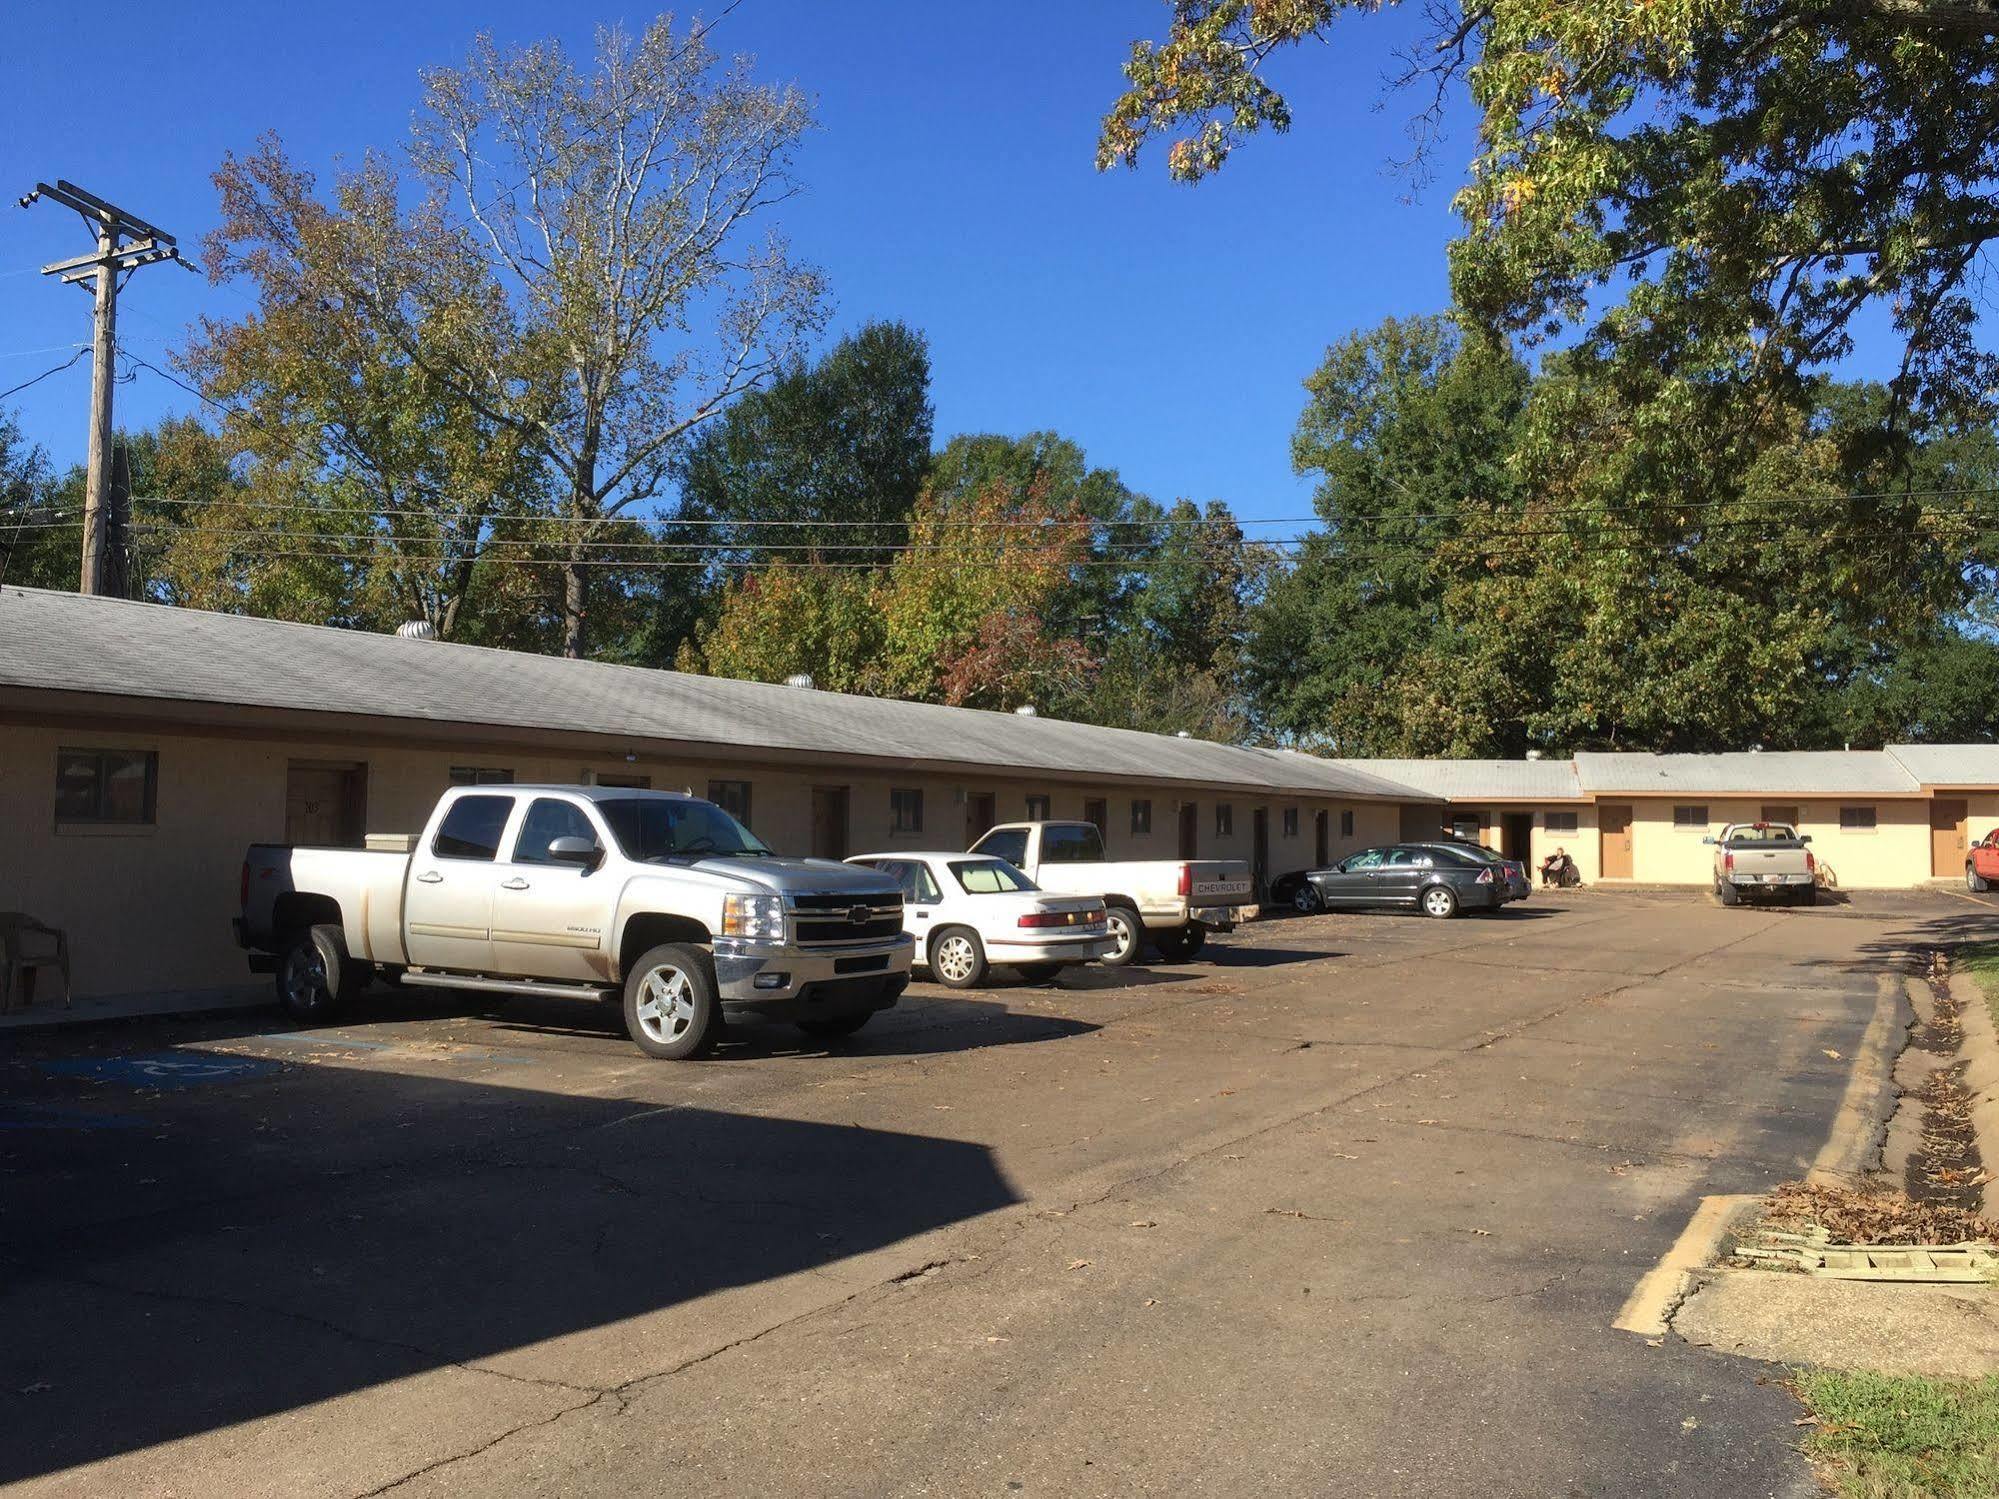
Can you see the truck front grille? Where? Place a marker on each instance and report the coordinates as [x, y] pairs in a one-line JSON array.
[[829, 919]]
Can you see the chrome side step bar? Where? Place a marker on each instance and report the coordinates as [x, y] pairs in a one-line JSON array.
[[548, 988]]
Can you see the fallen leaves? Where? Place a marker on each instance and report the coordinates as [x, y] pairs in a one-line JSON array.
[[1079, 1264]]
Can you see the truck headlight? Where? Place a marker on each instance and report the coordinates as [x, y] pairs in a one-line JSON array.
[[757, 918]]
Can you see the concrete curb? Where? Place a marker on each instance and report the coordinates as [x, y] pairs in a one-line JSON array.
[[1853, 1145], [175, 1004], [1980, 1049]]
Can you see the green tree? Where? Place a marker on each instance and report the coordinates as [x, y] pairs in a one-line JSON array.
[[1409, 428], [35, 549], [1755, 177], [845, 439], [574, 257]]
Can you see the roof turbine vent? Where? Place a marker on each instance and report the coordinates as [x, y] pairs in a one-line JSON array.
[[1533, 754], [417, 629], [799, 679], [1025, 710]]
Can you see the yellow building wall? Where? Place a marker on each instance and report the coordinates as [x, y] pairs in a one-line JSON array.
[[147, 908], [1893, 855]]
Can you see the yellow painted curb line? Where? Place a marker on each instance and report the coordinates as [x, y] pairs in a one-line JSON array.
[[1653, 1300]]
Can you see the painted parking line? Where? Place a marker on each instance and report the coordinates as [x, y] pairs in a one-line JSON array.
[[165, 1069]]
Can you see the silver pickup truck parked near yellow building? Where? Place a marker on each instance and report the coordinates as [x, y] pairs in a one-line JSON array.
[[583, 892], [1763, 861]]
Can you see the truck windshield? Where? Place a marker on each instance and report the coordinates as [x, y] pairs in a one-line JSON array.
[[653, 829]]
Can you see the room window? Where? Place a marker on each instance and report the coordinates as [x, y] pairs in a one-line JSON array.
[[480, 775], [1097, 811], [1141, 817], [905, 810], [1346, 822], [1290, 822], [107, 786], [1693, 816], [1037, 809], [732, 797], [1560, 822], [1224, 820], [1857, 819]]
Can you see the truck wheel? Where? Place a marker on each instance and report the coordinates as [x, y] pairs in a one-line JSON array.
[[315, 977], [671, 1011], [1727, 894], [1180, 944], [1440, 901], [1975, 881], [1128, 932], [833, 1027], [1809, 896], [957, 958]]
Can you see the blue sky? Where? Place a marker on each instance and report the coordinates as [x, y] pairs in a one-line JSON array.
[[1164, 328]]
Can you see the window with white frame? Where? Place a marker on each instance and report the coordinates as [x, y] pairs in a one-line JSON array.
[[1290, 822], [1346, 822], [481, 775]]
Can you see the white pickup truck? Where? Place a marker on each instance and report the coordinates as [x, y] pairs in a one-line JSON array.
[[583, 892], [1174, 903], [1763, 860]]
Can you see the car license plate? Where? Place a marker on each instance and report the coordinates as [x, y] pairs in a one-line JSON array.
[[1771, 879]]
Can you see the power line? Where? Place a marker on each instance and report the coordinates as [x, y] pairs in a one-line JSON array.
[[1162, 523], [81, 350]]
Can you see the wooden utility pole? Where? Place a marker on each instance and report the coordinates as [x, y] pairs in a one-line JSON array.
[[124, 243]]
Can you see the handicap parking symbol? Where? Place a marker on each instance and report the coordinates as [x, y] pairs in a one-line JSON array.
[[165, 1069]]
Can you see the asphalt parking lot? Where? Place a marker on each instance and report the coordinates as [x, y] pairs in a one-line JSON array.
[[1347, 1207]]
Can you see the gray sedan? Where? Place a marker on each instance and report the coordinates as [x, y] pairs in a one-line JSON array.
[[1436, 879]]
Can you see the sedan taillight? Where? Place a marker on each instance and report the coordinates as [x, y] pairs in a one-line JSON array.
[[1484, 876], [1058, 918]]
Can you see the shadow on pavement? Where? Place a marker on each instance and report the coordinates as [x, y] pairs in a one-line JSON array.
[[175, 1262]]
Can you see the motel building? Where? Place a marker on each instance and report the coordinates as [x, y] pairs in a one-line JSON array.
[[143, 748]]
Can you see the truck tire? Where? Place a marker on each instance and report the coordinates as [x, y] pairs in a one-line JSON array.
[[1128, 932], [1182, 942], [957, 958], [315, 977], [1809, 896], [1726, 893], [671, 1011], [1974, 881], [833, 1027]]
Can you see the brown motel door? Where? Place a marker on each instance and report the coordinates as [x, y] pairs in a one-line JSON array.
[[1946, 837], [829, 822], [1190, 830], [1615, 826], [981, 812], [324, 804]]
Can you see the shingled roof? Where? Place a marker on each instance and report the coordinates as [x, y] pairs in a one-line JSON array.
[[117, 648]]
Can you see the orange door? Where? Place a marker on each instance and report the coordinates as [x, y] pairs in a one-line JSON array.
[[1614, 826], [1946, 837]]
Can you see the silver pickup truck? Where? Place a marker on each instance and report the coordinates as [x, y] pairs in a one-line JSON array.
[[1763, 861], [583, 892]]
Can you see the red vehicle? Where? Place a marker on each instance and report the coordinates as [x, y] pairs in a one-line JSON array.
[[1981, 865]]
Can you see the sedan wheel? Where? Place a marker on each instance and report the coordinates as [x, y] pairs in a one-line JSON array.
[[957, 959], [1306, 900], [1439, 901]]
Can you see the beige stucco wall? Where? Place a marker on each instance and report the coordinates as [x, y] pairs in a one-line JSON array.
[[1580, 844], [1895, 854], [148, 908]]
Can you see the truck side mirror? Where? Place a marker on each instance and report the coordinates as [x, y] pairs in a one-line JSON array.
[[1804, 838], [1707, 840], [579, 851]]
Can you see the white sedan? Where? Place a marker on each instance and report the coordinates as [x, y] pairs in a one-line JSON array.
[[968, 912]]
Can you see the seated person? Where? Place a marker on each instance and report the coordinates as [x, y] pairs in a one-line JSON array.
[[1557, 867]]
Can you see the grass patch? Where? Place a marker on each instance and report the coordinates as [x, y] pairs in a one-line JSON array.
[[1980, 960], [1886, 1436]]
